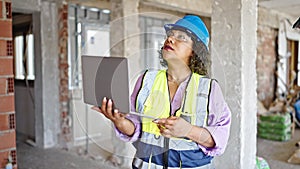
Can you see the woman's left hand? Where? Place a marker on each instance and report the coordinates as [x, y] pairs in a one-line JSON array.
[[173, 126]]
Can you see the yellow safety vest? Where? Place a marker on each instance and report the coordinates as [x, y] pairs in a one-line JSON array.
[[153, 99]]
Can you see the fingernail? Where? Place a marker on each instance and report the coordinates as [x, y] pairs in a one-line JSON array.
[[104, 98], [109, 100], [155, 121]]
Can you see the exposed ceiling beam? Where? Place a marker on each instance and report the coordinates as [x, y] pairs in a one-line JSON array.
[[289, 7]]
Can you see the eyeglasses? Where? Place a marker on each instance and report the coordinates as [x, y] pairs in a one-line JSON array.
[[178, 35]]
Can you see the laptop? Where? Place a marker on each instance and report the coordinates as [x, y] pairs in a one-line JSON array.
[[107, 77]]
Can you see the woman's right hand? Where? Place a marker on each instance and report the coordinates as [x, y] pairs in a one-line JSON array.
[[123, 124], [118, 118], [109, 112]]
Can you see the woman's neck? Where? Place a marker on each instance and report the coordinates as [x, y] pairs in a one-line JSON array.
[[178, 73]]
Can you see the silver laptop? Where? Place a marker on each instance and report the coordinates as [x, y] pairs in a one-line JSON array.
[[107, 77]]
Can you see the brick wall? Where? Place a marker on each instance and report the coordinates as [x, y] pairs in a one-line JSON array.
[[7, 108], [266, 64], [63, 68]]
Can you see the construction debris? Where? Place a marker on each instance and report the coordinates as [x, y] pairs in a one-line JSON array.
[[275, 126], [295, 158]]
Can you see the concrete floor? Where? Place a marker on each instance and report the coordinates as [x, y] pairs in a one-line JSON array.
[[277, 153], [29, 157]]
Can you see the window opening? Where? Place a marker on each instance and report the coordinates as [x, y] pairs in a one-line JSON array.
[[152, 39], [86, 25], [24, 57]]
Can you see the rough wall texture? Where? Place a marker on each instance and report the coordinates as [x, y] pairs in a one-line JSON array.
[[124, 41], [49, 75], [233, 65], [26, 5], [7, 107], [266, 64]]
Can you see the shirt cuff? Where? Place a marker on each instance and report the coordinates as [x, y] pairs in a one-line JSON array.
[[135, 120], [220, 145]]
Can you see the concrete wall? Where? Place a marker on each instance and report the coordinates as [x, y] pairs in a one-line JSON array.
[[25, 6], [271, 18], [24, 111], [233, 64], [49, 74], [46, 91]]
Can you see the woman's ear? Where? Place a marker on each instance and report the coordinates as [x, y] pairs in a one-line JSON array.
[[193, 53], [191, 57]]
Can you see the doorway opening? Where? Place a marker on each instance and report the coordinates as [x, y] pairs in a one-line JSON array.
[[23, 42]]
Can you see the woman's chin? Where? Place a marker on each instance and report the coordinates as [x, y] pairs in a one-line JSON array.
[[167, 55]]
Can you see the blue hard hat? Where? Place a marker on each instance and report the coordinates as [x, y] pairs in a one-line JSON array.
[[194, 25]]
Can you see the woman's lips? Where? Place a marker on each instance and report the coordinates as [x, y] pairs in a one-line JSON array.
[[167, 47]]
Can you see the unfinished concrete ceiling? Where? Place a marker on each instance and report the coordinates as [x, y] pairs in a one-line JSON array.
[[92, 3], [290, 7]]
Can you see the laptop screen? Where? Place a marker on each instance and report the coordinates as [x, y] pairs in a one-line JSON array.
[[106, 77]]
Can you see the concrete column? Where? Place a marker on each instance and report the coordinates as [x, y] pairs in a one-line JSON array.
[[125, 33], [233, 53], [47, 78], [117, 28]]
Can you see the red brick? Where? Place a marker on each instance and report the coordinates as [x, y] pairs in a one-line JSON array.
[[13, 154], [65, 15], [1, 9], [3, 86], [6, 28], [4, 122], [3, 48], [8, 10], [3, 158], [10, 85], [9, 48], [7, 104], [265, 64], [8, 140], [6, 67]]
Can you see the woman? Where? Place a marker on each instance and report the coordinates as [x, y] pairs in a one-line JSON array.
[[192, 118]]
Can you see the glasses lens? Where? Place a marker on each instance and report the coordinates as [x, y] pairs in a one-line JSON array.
[[178, 35], [170, 33]]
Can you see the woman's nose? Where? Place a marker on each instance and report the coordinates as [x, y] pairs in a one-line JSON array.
[[171, 39]]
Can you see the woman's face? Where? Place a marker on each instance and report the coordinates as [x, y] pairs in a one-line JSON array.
[[178, 46]]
